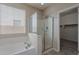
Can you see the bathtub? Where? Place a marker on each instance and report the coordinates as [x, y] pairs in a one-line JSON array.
[[17, 49]]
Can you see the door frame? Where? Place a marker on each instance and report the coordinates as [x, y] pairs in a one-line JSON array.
[[57, 48], [75, 6]]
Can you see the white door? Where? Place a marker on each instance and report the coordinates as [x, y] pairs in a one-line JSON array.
[[48, 33]]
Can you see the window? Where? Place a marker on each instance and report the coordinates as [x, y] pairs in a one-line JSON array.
[[12, 20], [33, 23]]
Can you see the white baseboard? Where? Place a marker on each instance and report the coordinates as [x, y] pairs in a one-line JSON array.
[[47, 50], [50, 50], [55, 50]]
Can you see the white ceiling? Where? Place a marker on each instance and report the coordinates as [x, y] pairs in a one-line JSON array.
[[42, 7], [39, 6]]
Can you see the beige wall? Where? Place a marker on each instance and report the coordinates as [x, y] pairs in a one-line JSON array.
[[54, 9]]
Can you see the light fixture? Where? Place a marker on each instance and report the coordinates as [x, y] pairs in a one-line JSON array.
[[42, 3]]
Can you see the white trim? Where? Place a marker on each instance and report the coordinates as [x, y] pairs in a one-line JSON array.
[[45, 52], [56, 50], [78, 30], [51, 49]]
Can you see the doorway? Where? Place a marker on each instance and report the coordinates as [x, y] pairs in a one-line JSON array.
[[69, 32]]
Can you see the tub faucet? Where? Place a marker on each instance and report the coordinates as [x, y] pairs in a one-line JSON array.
[[27, 44]]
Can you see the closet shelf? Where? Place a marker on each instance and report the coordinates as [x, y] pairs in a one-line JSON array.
[[69, 25]]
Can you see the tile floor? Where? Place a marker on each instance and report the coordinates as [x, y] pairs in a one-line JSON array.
[[67, 48]]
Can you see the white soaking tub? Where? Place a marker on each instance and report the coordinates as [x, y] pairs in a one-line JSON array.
[[15, 45], [17, 49]]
